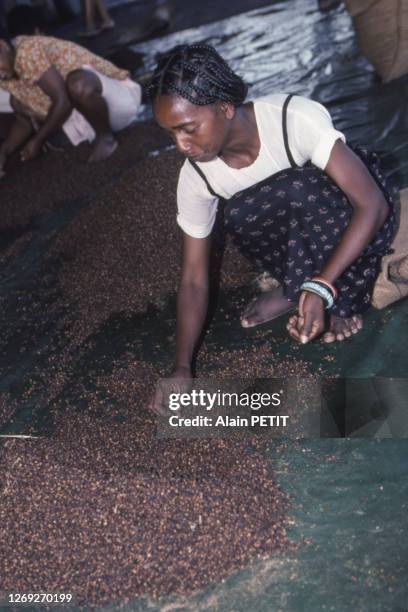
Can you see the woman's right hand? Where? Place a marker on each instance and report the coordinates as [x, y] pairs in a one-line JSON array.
[[179, 381], [192, 300]]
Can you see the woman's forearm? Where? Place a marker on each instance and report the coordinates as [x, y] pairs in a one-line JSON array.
[[192, 303], [58, 114]]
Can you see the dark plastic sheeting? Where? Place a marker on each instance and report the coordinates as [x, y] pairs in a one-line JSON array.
[[292, 47]]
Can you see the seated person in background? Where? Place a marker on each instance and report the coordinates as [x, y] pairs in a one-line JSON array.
[[55, 83]]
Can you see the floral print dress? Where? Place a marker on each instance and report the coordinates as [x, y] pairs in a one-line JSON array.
[[290, 223]]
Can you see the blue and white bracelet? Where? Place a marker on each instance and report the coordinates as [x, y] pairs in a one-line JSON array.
[[320, 290]]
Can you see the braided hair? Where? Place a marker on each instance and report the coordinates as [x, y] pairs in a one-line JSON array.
[[199, 74]]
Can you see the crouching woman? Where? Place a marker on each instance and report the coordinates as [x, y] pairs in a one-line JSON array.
[[298, 201]]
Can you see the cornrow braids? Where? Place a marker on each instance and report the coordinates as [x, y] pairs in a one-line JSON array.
[[199, 74]]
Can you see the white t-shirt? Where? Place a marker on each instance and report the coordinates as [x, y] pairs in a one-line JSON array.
[[311, 137]]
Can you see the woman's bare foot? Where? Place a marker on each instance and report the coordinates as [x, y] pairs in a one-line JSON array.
[[267, 306], [339, 328], [342, 328], [105, 145]]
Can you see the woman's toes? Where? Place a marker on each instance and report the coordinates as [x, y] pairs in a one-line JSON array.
[[340, 329], [355, 324], [250, 320], [245, 320], [249, 316], [358, 320]]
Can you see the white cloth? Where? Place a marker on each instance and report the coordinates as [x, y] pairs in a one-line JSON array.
[[5, 106], [5, 102], [311, 138], [123, 99]]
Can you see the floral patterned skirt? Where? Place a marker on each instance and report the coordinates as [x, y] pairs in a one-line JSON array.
[[290, 223]]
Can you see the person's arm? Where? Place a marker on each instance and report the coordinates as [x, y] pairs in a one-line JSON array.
[[20, 131], [370, 210], [53, 85], [192, 302]]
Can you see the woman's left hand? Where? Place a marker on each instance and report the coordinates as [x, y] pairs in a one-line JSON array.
[[309, 323]]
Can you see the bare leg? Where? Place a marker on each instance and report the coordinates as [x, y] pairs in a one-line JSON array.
[[85, 92], [88, 7], [106, 19], [20, 131], [89, 15]]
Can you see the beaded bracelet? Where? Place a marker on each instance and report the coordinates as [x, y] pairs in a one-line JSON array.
[[319, 290], [330, 287]]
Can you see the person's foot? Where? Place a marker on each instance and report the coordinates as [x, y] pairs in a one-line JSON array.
[[104, 146], [267, 306], [340, 329]]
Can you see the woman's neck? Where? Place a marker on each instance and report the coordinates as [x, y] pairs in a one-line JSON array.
[[243, 144]]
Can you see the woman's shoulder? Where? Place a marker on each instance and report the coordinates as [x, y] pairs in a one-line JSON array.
[[297, 103], [271, 101], [191, 182], [187, 172]]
